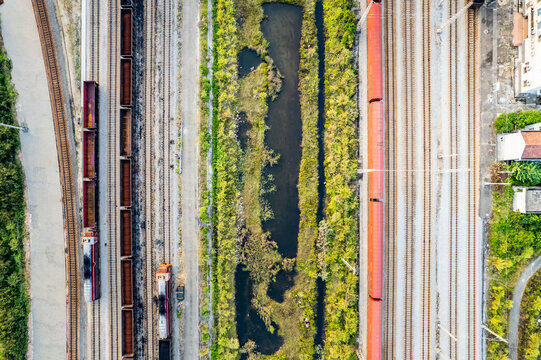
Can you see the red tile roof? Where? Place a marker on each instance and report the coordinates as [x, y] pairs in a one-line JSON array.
[[532, 150]]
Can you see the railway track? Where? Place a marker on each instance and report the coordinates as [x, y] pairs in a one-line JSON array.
[[166, 118], [427, 237], [389, 332], [67, 179], [93, 74], [473, 184], [426, 193], [453, 218], [408, 116], [148, 170], [113, 196], [95, 330]]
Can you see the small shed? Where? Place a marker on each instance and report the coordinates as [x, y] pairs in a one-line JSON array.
[[527, 200], [522, 145]]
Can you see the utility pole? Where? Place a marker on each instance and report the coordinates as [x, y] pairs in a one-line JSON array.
[[441, 354], [22, 128], [349, 266], [364, 16], [493, 333], [447, 332], [439, 29]]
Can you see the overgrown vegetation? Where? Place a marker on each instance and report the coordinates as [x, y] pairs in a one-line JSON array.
[[226, 154], [13, 286], [529, 334], [205, 208], [509, 122], [514, 239], [341, 313]]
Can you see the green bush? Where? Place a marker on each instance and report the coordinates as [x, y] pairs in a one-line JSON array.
[[341, 312], [13, 294], [226, 153], [530, 312], [508, 122], [525, 173]]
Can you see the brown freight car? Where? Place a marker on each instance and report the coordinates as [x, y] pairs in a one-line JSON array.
[[125, 132], [127, 332], [125, 82], [126, 31], [127, 282], [125, 179], [90, 192], [125, 233]]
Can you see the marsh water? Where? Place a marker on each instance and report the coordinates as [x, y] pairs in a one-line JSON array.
[[282, 29]]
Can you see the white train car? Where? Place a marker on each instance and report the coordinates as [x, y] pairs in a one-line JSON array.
[[163, 277], [91, 271]]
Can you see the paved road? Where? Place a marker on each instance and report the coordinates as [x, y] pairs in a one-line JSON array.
[[40, 162], [189, 103], [514, 316]]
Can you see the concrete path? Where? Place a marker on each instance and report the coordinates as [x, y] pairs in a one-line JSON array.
[[514, 315], [45, 222], [189, 103]]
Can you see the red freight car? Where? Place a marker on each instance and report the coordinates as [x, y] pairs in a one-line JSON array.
[[375, 330], [375, 150], [125, 82], [125, 233], [374, 52], [89, 154], [164, 309], [125, 183], [127, 282], [90, 104], [125, 132], [91, 271], [126, 31], [375, 249], [127, 333]]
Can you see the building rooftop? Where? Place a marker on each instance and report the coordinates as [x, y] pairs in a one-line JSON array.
[[527, 200], [522, 145]]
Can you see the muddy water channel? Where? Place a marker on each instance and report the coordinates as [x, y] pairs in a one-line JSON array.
[[282, 29]]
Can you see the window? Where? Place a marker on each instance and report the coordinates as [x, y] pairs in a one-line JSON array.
[[539, 25], [539, 12]]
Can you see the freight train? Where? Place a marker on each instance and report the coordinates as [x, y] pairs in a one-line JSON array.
[[90, 240], [163, 276], [376, 177]]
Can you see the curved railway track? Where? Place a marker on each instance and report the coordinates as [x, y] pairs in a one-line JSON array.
[[67, 179]]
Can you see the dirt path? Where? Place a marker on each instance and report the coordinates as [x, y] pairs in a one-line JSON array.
[[189, 102]]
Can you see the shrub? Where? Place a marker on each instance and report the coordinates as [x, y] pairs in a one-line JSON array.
[[508, 122], [525, 173]]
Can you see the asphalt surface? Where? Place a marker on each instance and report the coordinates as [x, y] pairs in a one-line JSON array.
[[44, 207], [514, 315], [189, 103]]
